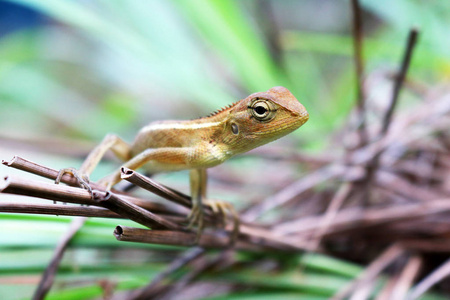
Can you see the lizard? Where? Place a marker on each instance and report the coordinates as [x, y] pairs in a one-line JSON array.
[[195, 145]]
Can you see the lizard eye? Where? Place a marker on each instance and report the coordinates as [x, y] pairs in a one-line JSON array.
[[234, 128], [262, 110]]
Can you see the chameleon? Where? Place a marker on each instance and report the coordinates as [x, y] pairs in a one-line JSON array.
[[196, 145]]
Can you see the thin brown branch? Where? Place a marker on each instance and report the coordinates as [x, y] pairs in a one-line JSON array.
[[407, 277], [357, 218], [80, 196], [359, 70], [257, 241], [295, 189], [40, 170], [57, 209], [177, 238], [399, 185], [372, 271], [154, 187], [149, 290], [443, 271], [410, 46], [55, 192], [132, 211], [20, 163], [385, 293], [47, 278], [435, 245], [68, 194], [336, 202], [373, 165], [71, 210], [224, 258], [166, 192]]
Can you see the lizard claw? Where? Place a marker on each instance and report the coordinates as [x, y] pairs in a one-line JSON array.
[[224, 208], [221, 208], [83, 180], [196, 216]]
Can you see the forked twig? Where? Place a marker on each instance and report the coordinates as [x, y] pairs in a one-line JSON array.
[[47, 278]]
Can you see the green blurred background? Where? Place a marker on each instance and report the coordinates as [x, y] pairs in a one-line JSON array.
[[72, 71], [84, 68]]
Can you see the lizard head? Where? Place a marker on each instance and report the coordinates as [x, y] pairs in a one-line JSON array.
[[264, 117]]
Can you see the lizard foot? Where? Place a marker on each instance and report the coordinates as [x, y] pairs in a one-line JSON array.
[[223, 208], [83, 180], [196, 217]]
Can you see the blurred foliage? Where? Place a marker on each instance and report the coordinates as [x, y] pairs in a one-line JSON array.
[[85, 68], [150, 60]]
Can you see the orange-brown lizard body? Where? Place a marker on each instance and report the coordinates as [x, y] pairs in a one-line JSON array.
[[202, 143]]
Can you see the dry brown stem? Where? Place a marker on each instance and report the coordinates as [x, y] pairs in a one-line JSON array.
[[120, 204], [47, 278], [57, 209], [154, 187], [133, 212], [177, 238], [371, 272], [40, 170], [359, 70], [150, 290], [346, 220], [425, 284]]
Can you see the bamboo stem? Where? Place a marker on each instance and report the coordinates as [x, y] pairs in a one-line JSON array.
[[40, 170], [178, 238], [48, 191], [57, 209], [154, 187], [80, 196], [133, 212]]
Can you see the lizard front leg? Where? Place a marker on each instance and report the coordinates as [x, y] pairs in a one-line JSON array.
[[198, 179], [168, 159]]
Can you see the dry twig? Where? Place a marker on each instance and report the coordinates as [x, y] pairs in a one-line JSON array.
[[47, 278]]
